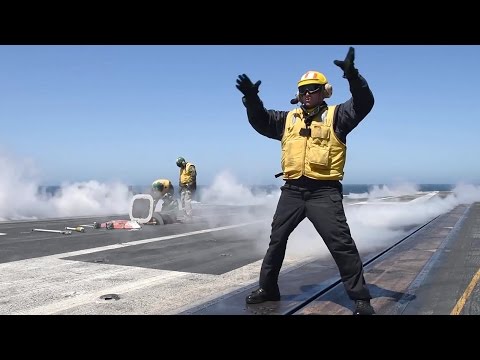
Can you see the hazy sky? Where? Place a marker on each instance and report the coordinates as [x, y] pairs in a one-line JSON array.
[[125, 113]]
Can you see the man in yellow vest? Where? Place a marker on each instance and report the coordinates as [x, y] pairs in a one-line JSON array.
[[313, 140], [188, 185], [162, 189]]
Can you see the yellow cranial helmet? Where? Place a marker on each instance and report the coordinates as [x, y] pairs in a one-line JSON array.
[[312, 77]]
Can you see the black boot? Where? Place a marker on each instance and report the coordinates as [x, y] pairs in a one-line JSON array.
[[363, 307], [260, 295]]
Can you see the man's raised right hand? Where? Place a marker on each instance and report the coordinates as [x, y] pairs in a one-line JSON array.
[[245, 85]]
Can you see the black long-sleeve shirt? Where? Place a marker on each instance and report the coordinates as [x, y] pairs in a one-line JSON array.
[[271, 123]]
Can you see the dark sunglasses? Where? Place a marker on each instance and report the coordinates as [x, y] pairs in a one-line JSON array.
[[311, 88]]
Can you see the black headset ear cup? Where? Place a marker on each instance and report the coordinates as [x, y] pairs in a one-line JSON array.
[[327, 91], [295, 100]]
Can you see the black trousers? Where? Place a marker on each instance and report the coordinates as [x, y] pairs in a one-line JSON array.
[[324, 208]]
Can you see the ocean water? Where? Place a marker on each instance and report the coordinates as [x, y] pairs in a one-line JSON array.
[[363, 188], [267, 189]]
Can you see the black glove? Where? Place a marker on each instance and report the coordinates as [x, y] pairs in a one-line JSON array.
[[349, 71], [245, 85]]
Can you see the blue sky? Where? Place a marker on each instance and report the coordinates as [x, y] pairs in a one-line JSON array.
[[126, 113]]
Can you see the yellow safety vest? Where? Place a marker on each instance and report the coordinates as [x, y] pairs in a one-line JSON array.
[[166, 184], [320, 156], [185, 177]]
